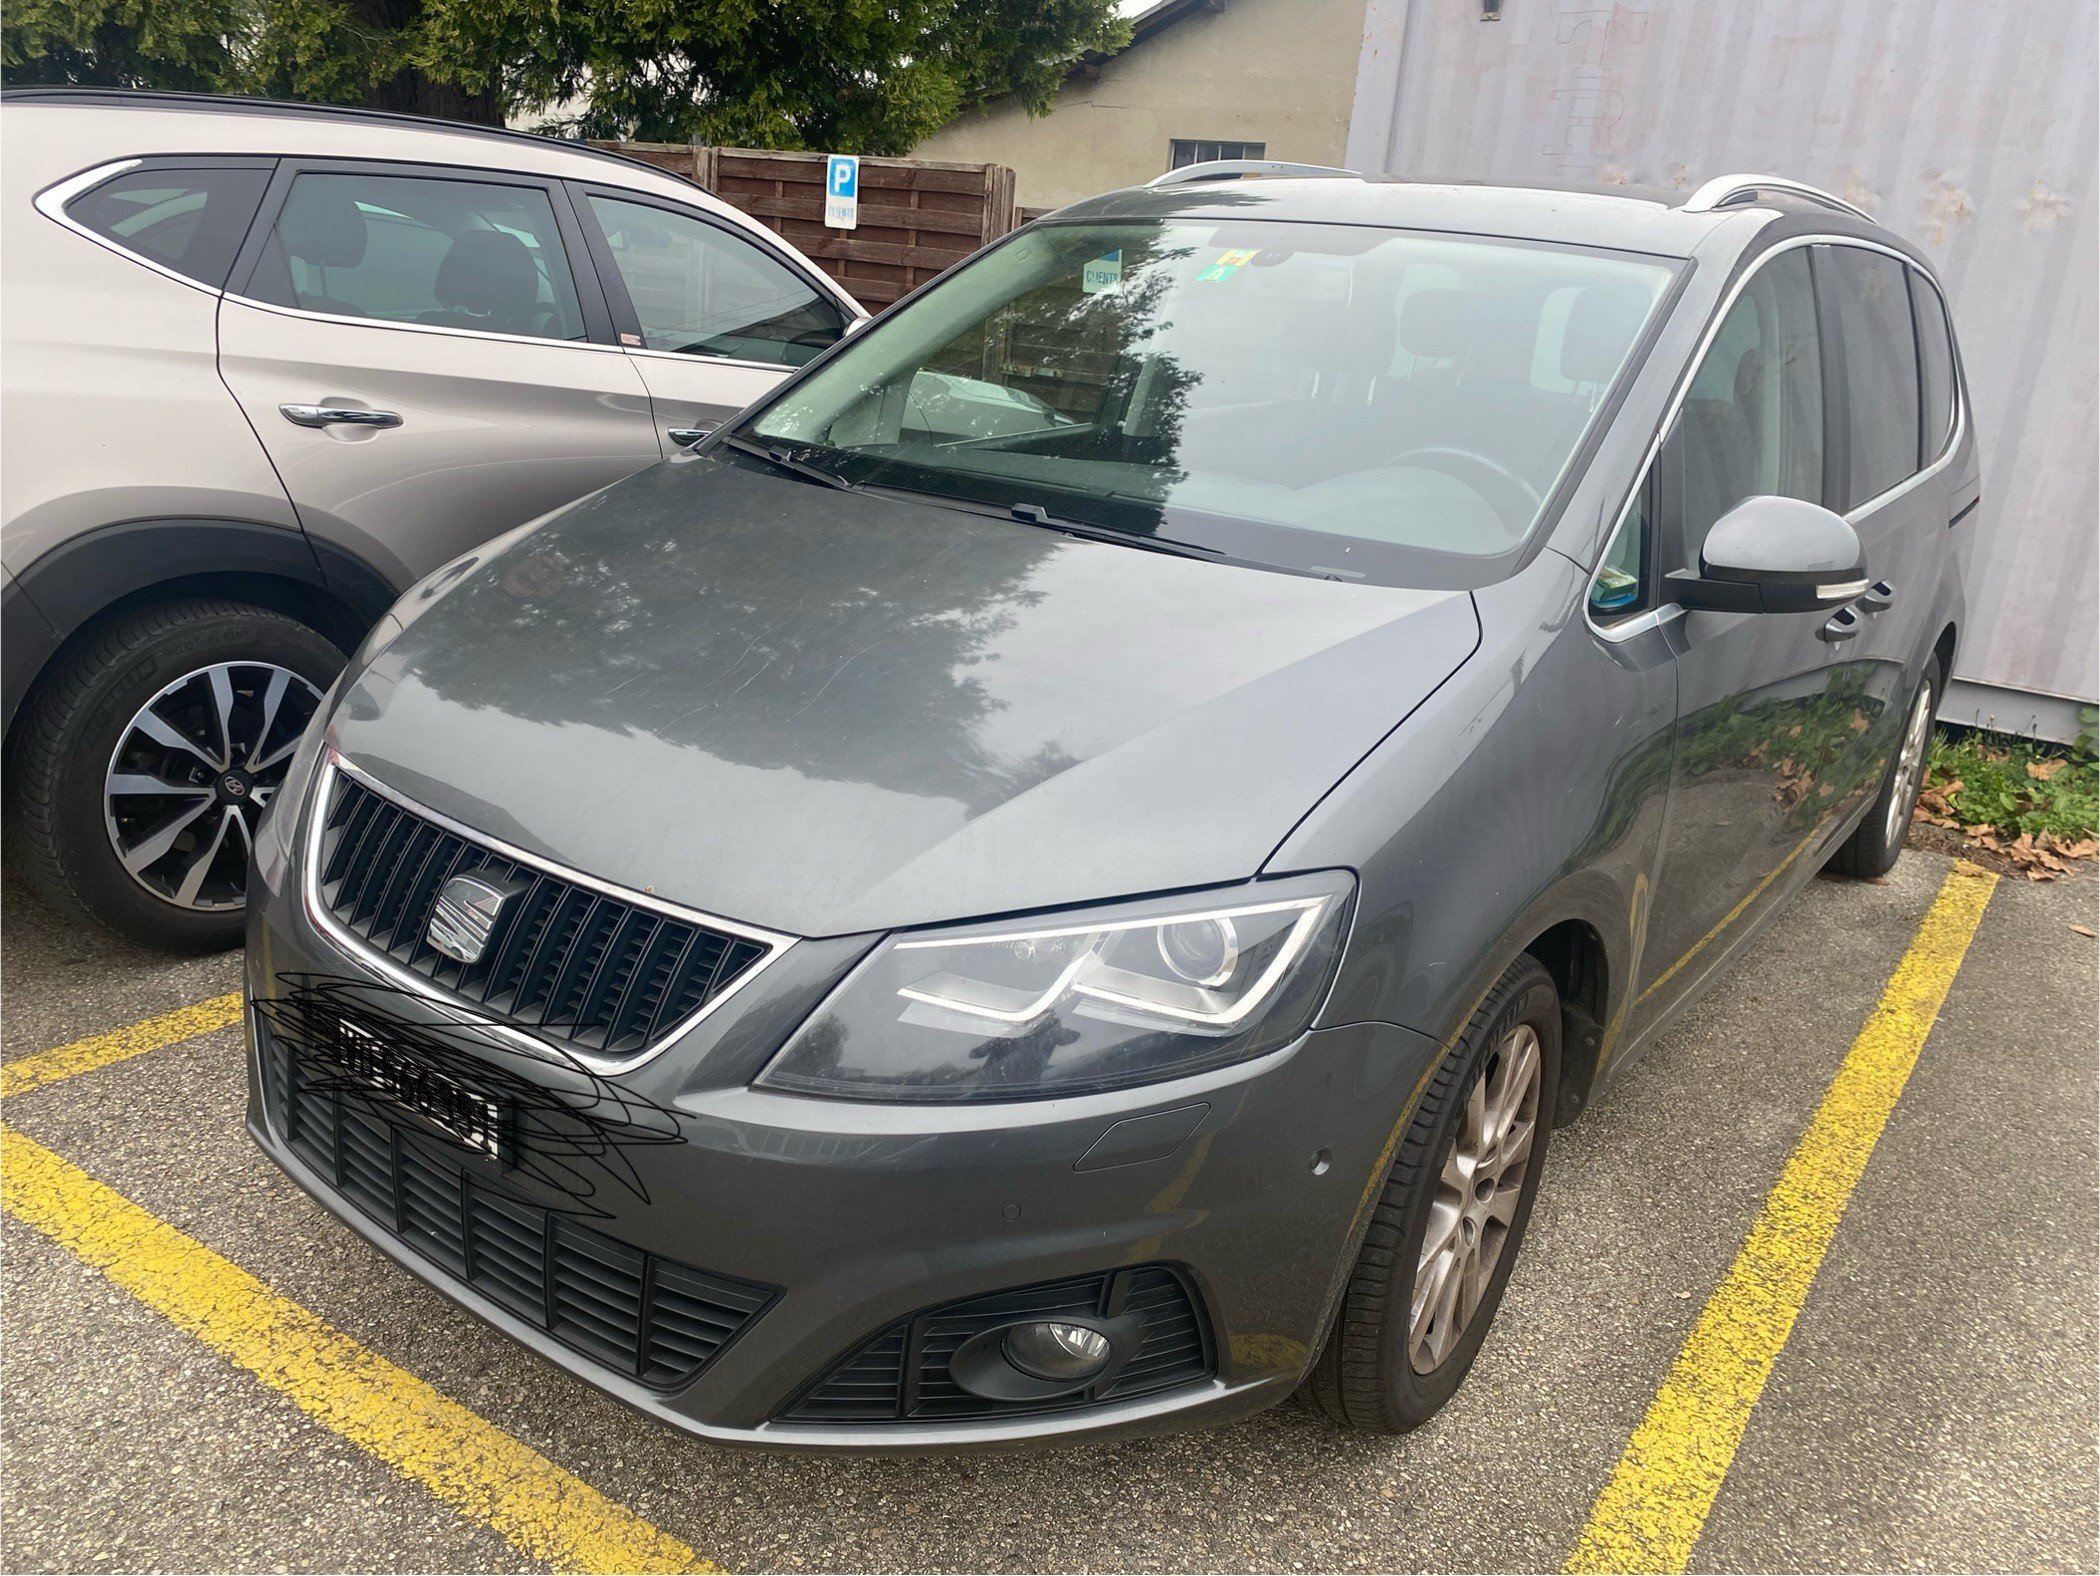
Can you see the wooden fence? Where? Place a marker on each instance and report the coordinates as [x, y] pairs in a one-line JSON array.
[[916, 217]]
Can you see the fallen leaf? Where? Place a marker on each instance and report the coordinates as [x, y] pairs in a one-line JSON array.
[[2042, 771], [2084, 848], [2086, 931]]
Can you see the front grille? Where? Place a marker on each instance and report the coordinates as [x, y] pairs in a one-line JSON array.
[[645, 1317], [569, 962], [902, 1374]]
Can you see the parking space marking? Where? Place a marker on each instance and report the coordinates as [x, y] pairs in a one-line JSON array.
[[1655, 1504], [548, 1514], [99, 1050]]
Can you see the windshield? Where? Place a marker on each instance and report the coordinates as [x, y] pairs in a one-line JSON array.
[[1332, 399]]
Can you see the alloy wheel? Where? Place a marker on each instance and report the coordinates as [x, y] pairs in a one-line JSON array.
[[1910, 766], [193, 772], [1477, 1194]]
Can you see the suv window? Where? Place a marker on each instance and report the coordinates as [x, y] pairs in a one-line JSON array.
[[1871, 303], [413, 249], [1752, 422], [701, 291], [192, 221], [1936, 358]]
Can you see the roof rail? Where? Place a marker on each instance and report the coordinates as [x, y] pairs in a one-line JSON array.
[[1221, 169], [1726, 191], [241, 103]]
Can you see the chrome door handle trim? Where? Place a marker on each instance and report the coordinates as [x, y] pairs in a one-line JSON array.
[[337, 416], [1879, 597]]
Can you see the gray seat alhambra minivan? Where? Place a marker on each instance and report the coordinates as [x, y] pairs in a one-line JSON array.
[[1055, 876], [266, 366]]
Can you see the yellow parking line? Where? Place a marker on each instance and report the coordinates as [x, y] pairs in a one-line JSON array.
[[1656, 1502], [550, 1515], [84, 1056]]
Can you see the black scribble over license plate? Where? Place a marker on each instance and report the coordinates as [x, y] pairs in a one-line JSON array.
[[473, 1119]]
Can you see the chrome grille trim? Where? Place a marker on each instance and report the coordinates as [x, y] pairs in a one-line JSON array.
[[316, 809]]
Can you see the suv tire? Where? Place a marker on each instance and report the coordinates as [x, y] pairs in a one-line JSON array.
[[1383, 1370], [65, 773], [1877, 842]]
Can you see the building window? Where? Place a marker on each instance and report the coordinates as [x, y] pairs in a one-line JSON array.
[[1188, 152]]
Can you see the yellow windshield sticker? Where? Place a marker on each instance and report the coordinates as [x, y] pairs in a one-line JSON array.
[[1228, 263]]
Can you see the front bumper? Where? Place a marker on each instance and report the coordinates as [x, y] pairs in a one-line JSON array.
[[851, 1216]]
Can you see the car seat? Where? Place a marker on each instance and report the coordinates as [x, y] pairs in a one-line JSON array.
[[488, 281]]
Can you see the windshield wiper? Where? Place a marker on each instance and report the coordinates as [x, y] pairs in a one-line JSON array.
[[1036, 514], [787, 460]]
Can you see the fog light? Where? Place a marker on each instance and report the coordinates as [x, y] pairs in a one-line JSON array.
[[1064, 1353]]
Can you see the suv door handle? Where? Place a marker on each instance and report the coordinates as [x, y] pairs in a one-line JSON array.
[[337, 416], [1879, 597]]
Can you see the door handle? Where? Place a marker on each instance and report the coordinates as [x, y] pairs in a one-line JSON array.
[[337, 416], [1879, 597], [686, 437], [1841, 625]]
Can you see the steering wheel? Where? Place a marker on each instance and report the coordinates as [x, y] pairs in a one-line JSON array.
[[1515, 501]]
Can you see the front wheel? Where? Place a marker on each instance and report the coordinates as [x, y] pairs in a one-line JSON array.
[[1876, 843], [1446, 1231], [146, 760]]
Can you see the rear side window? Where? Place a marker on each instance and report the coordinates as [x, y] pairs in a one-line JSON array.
[[1871, 298], [701, 291], [1752, 422], [1936, 362], [192, 221], [412, 249]]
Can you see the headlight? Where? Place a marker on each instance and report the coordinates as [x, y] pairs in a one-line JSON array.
[[1072, 1004]]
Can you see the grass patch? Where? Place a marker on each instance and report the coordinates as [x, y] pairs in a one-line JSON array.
[[2038, 804]]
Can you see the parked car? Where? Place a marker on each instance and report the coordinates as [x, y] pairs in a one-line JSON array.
[[885, 933], [264, 367]]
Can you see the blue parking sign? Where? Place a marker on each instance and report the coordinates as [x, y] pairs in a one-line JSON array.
[[842, 191]]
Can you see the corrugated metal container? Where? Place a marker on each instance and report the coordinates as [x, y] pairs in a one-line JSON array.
[[1969, 126]]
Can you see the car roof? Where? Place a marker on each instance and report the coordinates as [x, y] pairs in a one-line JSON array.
[[206, 123], [1629, 218]]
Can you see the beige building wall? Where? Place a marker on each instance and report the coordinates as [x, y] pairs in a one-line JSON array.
[[1279, 72]]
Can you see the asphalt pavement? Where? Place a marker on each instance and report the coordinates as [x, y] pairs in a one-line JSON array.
[[1933, 1408]]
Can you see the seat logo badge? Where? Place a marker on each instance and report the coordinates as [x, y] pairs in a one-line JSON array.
[[465, 917]]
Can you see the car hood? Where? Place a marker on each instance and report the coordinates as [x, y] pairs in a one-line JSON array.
[[825, 712]]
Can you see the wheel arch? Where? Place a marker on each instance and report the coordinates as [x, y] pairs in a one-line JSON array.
[[80, 585], [1943, 650], [1581, 931], [1574, 954]]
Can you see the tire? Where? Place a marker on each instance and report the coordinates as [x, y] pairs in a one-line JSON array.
[[68, 802], [1369, 1375], [1877, 842]]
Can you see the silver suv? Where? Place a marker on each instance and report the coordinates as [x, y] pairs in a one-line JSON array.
[[266, 366]]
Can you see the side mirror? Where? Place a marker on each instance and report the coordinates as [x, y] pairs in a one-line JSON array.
[[1773, 555]]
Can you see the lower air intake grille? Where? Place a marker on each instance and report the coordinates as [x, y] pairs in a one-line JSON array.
[[645, 1317], [902, 1374], [565, 960]]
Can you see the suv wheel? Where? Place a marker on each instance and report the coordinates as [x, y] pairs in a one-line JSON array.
[[1877, 842], [145, 763], [1445, 1235]]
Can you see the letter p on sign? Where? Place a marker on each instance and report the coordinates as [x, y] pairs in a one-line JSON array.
[[842, 191]]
